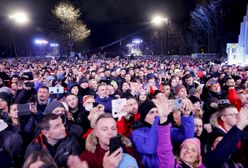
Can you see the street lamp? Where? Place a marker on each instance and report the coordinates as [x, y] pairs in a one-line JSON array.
[[159, 20], [20, 18]]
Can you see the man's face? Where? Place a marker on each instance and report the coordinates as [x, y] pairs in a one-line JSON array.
[[198, 126], [230, 82], [57, 130], [84, 85], [132, 105], [93, 84], [102, 91], [216, 88], [3, 104], [242, 96], [43, 94], [127, 77], [230, 116], [105, 130], [125, 86], [189, 81], [72, 101]]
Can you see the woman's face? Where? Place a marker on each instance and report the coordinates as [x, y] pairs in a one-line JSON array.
[[142, 96], [75, 90], [189, 153]]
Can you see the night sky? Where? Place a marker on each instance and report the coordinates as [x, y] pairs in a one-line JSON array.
[[111, 19]]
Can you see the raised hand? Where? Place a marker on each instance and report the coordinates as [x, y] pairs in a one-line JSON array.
[[242, 118], [113, 160]]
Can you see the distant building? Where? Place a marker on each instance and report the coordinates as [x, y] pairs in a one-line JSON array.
[[237, 53]]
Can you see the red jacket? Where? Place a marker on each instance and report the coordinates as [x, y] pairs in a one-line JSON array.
[[125, 127], [232, 96]]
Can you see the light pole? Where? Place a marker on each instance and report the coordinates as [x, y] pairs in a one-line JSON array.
[[158, 21], [19, 19]]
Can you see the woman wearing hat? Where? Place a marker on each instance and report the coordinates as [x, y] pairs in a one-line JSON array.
[[153, 121]]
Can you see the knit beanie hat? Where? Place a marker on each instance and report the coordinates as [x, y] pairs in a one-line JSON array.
[[197, 143], [144, 108], [83, 80], [178, 88], [194, 99], [86, 98], [6, 97], [127, 161], [51, 106], [6, 90]]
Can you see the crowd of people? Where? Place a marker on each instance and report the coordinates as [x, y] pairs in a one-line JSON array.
[[174, 113]]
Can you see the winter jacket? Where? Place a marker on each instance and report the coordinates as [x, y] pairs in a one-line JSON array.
[[60, 152], [106, 102], [94, 153], [232, 96], [186, 130], [220, 156], [165, 154], [145, 140], [125, 126]]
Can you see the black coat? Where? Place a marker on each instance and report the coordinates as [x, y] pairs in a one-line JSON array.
[[61, 151]]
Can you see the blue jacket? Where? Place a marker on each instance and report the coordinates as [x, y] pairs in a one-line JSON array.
[[186, 130], [106, 102], [145, 140]]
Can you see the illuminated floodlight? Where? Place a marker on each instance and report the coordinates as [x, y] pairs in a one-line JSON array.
[[130, 45], [19, 17], [137, 41], [159, 20], [54, 44], [40, 42]]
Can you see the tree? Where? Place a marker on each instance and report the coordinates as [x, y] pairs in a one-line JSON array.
[[71, 29], [206, 23]]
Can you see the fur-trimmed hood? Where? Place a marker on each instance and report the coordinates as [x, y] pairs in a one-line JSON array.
[[92, 142]]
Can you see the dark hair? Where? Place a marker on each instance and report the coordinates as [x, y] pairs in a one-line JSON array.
[[239, 88], [44, 87], [44, 122], [40, 156]]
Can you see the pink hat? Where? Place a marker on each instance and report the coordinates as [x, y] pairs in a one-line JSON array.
[[197, 143], [178, 88]]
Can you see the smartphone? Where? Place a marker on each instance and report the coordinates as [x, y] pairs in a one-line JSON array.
[[24, 109], [179, 103], [114, 144]]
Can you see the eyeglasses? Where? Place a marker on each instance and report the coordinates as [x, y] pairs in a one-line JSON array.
[[235, 115]]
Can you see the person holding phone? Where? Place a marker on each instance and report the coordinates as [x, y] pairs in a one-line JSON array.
[[97, 153]]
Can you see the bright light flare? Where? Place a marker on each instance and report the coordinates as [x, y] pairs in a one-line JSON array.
[[137, 41], [40, 42], [159, 20], [20, 18]]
